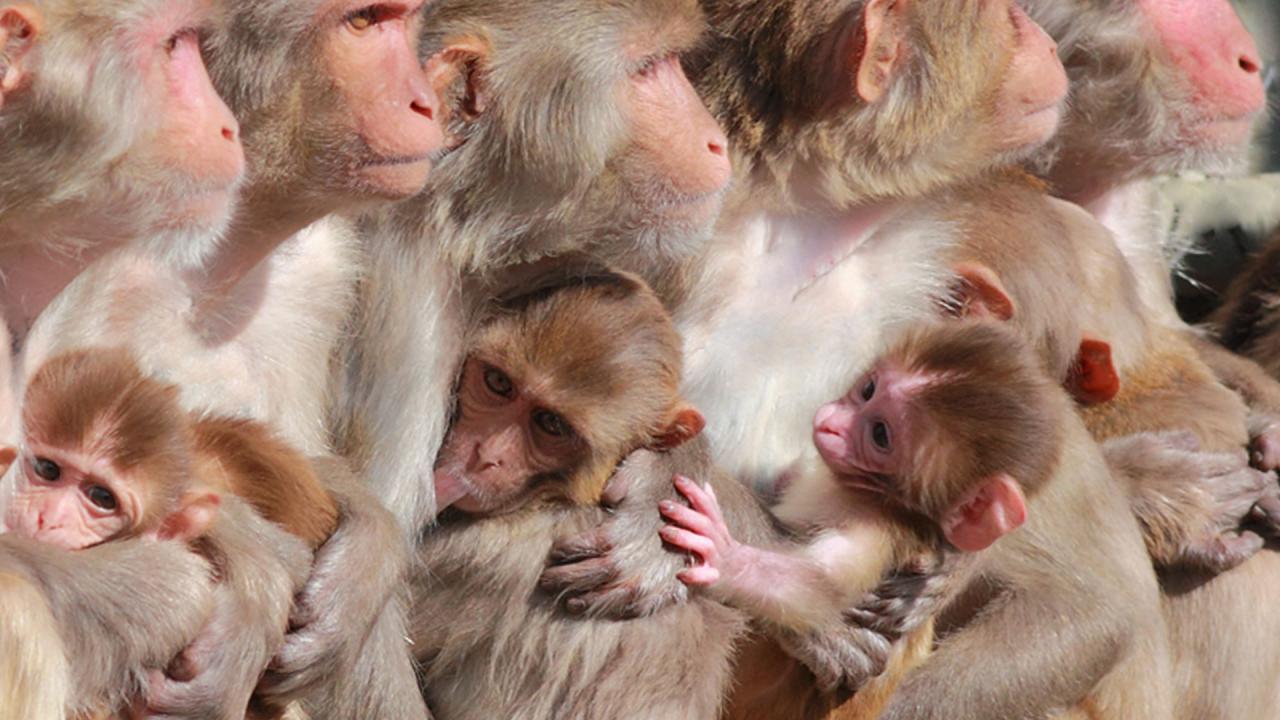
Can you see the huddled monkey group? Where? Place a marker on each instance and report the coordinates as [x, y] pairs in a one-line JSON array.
[[612, 359]]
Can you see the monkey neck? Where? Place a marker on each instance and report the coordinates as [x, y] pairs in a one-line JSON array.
[[808, 248], [264, 220]]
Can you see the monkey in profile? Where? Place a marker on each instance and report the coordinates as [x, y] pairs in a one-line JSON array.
[[934, 450], [560, 384], [108, 453]]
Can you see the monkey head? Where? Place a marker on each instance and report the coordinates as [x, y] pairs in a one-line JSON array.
[[877, 98], [592, 98], [106, 110], [954, 423], [560, 386], [106, 455], [332, 97], [1158, 86]]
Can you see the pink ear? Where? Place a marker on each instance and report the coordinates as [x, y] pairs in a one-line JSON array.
[[979, 293], [884, 30], [192, 520], [994, 510], [685, 425]]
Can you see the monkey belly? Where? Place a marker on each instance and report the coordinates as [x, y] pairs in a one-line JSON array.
[[769, 683]]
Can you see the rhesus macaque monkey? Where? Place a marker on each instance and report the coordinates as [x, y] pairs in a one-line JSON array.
[[109, 130], [567, 375], [834, 112], [1159, 87], [337, 115], [935, 450], [939, 448], [108, 454]]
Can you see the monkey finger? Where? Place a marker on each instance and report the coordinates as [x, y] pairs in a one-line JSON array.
[[592, 544], [699, 576], [700, 498], [690, 519], [581, 577], [699, 545], [1264, 449], [1266, 511], [615, 491], [1220, 553], [621, 602]]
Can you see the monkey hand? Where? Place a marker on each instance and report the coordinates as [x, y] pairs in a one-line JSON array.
[[905, 600], [356, 573], [700, 529], [840, 658], [619, 568], [1264, 441], [1191, 503]]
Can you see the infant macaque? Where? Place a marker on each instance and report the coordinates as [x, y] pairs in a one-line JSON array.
[[564, 380], [931, 451], [109, 453]]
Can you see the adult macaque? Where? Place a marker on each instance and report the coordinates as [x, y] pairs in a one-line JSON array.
[[337, 114], [1159, 87], [948, 444], [109, 129], [587, 137], [565, 378], [834, 111]]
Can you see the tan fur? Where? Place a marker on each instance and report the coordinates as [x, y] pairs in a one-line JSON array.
[[35, 680]]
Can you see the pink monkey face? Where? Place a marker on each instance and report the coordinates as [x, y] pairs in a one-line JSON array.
[[60, 503], [867, 432]]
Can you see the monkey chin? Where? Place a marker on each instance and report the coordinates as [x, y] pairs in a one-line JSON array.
[[1031, 131], [395, 179]]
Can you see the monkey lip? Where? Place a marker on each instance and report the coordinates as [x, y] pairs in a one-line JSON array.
[[398, 160]]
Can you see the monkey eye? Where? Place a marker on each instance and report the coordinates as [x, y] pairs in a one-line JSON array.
[[550, 423], [869, 390], [366, 17], [172, 43], [47, 469], [498, 382], [880, 435], [101, 497]]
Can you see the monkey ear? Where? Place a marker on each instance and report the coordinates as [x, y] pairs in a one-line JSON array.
[[685, 424], [20, 28], [994, 510], [8, 454], [1093, 378], [193, 519], [458, 74], [978, 292], [884, 26]]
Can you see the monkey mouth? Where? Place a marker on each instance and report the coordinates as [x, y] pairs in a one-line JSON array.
[[399, 160]]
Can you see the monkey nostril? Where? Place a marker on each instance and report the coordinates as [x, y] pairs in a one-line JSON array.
[[716, 148], [1249, 65], [424, 110], [228, 134]]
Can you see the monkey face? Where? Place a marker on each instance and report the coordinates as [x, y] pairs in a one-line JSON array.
[[504, 443], [867, 433], [1029, 104], [378, 100], [69, 500]]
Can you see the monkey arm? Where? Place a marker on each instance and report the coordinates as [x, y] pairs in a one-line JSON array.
[[261, 568], [1260, 392], [120, 609], [347, 656], [1191, 504]]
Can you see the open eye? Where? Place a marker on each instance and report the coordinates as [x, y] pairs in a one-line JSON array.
[[47, 469], [869, 390], [550, 423], [101, 497], [880, 435], [498, 382], [366, 17]]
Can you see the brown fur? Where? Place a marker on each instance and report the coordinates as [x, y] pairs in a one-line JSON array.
[[99, 399], [768, 77], [1247, 320]]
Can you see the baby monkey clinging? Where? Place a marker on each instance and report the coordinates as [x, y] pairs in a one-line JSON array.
[[564, 380]]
